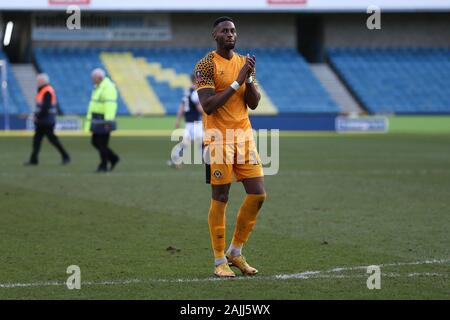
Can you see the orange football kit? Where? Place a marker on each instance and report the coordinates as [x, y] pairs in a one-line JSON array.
[[228, 132]]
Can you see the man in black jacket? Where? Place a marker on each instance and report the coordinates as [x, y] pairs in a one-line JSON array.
[[45, 120]]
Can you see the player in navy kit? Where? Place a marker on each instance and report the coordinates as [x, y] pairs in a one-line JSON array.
[[192, 110]]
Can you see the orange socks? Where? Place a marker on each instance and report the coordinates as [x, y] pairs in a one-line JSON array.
[[216, 221], [246, 218]]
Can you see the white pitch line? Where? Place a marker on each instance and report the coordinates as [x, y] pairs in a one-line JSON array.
[[307, 274], [318, 274]]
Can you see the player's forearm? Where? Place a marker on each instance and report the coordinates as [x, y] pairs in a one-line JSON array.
[[214, 102], [252, 96]]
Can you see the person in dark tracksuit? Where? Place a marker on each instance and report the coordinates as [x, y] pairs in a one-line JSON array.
[[45, 120], [100, 119]]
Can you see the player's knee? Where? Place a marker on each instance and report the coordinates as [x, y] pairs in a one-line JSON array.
[[258, 199], [262, 197]]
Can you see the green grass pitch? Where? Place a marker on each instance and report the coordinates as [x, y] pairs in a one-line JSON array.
[[337, 201]]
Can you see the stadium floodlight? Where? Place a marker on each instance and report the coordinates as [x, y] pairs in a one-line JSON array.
[[8, 33], [4, 84]]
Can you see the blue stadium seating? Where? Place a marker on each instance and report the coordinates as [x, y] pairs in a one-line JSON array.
[[290, 83], [16, 100], [181, 60], [283, 73], [70, 74], [408, 80]]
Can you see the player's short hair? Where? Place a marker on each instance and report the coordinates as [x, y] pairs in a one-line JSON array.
[[222, 19]]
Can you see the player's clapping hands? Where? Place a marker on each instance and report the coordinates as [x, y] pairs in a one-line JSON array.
[[247, 69]]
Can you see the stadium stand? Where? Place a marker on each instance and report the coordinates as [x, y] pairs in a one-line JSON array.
[[151, 81], [16, 100], [405, 80], [70, 73], [290, 83]]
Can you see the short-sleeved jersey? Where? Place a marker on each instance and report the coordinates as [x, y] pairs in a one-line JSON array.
[[190, 102], [214, 71]]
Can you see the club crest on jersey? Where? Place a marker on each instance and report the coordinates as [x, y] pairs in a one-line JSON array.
[[218, 174], [198, 76]]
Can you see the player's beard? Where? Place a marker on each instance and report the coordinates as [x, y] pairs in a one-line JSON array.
[[229, 45]]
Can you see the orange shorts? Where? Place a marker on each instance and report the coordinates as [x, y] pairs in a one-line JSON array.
[[222, 161]]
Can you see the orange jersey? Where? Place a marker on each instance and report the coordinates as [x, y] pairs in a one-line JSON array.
[[216, 72]]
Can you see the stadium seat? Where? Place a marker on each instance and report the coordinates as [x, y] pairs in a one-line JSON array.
[[402, 81], [17, 103]]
